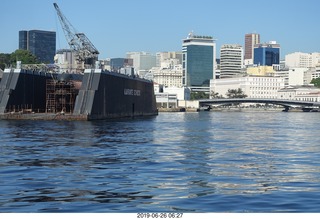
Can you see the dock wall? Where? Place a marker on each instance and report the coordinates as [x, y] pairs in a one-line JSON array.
[[23, 89], [112, 95]]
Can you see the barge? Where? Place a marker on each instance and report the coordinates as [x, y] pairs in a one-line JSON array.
[[95, 94]]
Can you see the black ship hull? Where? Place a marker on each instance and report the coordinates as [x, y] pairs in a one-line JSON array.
[[97, 94]]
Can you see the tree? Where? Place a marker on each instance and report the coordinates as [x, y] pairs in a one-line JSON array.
[[24, 56], [8, 60], [4, 60], [316, 82], [198, 95], [216, 95], [236, 93]]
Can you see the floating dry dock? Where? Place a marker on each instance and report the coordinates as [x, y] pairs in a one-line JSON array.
[[96, 94]]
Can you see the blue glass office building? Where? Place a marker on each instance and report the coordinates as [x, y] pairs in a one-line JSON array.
[[266, 54], [198, 55], [40, 43]]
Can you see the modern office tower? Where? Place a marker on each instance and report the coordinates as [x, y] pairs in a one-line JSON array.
[[267, 54], [117, 63], [250, 40], [231, 60], [40, 43], [302, 60], [142, 61], [198, 59]]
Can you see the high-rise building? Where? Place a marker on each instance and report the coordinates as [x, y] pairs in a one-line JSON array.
[[142, 61], [267, 54], [40, 43], [198, 58], [250, 40], [231, 60], [117, 63]]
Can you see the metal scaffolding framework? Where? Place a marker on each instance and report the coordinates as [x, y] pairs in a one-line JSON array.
[[60, 96]]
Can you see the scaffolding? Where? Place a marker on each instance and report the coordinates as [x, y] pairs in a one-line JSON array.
[[60, 96]]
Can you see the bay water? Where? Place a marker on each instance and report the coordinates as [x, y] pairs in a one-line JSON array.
[[175, 162]]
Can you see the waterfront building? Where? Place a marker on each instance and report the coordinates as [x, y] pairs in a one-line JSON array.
[[198, 60], [166, 100], [250, 40], [302, 60], [252, 86], [169, 97], [300, 93], [267, 54], [40, 43], [183, 93], [231, 60], [142, 62]]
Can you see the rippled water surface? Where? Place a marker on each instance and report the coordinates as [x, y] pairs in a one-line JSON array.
[[186, 162]]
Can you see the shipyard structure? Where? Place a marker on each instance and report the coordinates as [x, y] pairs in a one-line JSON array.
[[95, 94], [89, 94]]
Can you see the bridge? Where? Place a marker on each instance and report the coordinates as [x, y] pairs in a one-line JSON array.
[[287, 104]]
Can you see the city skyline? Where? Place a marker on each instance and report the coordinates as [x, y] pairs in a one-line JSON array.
[[118, 27]]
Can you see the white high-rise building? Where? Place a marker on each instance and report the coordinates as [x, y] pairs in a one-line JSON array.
[[302, 60], [231, 60]]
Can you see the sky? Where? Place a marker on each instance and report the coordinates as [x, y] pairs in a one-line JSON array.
[[116, 27]]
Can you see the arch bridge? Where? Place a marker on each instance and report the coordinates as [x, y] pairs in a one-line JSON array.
[[287, 104]]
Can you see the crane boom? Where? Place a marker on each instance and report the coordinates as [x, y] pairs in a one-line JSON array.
[[78, 42]]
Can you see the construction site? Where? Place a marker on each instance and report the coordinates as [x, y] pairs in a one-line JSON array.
[[60, 96]]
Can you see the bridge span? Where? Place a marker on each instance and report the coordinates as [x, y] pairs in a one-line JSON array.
[[287, 104]]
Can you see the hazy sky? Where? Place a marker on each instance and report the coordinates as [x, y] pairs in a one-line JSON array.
[[119, 26]]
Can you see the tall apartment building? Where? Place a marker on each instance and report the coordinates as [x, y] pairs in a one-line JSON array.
[[40, 43], [302, 60], [198, 58], [250, 40], [231, 60], [267, 54]]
